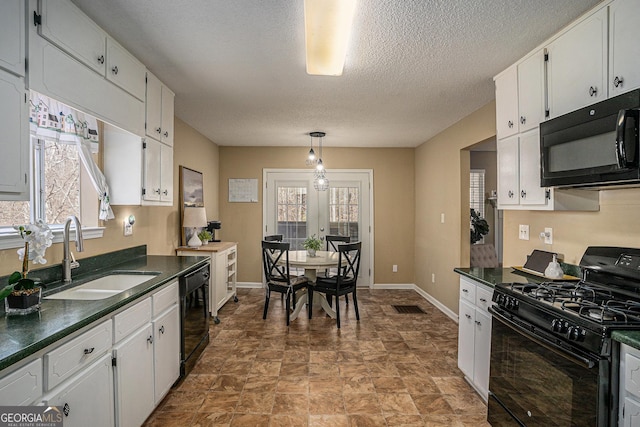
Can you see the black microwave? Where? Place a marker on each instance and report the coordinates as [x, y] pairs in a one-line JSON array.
[[595, 146]]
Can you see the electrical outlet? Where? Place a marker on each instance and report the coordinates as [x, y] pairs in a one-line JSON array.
[[128, 228], [523, 233], [433, 277], [548, 235], [394, 268], [442, 218]]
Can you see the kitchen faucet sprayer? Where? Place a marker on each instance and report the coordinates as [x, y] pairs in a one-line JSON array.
[[68, 261]]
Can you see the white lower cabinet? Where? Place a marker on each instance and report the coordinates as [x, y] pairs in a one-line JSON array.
[[88, 396], [629, 400], [22, 386], [134, 378], [474, 334], [166, 355]]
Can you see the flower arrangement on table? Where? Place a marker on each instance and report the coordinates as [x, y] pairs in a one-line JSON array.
[[37, 238], [312, 244]]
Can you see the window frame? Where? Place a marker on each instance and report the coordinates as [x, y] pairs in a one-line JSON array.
[[10, 238]]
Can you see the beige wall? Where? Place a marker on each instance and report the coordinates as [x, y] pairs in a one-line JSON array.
[[616, 224], [442, 187], [157, 227], [393, 222]]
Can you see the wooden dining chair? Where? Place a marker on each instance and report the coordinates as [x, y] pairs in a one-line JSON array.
[[332, 244], [273, 238], [345, 281], [275, 261]]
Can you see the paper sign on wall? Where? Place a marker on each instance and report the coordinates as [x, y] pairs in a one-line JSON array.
[[243, 190]]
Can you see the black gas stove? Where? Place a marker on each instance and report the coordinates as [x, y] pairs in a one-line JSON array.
[[562, 330], [583, 313]]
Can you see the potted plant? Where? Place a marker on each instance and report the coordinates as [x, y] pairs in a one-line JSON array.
[[21, 294], [205, 236], [312, 244], [479, 227]]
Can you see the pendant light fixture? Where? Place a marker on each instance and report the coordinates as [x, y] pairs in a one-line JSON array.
[[311, 159], [320, 180]]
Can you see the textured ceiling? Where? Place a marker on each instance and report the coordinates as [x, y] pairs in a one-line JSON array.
[[413, 67]]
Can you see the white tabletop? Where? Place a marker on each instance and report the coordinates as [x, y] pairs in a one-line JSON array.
[[323, 259]]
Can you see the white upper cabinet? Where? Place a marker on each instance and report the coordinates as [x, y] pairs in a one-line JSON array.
[[508, 171], [577, 65], [66, 26], [12, 36], [624, 49], [14, 138], [125, 70], [507, 103], [157, 173], [159, 125], [531, 91], [530, 191]]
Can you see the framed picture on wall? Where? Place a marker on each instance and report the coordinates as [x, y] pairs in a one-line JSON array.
[[191, 195]]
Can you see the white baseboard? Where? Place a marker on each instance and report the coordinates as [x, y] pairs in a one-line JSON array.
[[444, 309]]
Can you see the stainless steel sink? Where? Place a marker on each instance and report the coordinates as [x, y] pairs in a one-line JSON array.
[[103, 287]]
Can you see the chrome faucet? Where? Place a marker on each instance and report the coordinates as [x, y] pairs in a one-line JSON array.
[[68, 260]]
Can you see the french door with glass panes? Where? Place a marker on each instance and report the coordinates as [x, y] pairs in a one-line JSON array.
[[294, 208]]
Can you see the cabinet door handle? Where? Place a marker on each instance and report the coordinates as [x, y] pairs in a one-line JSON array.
[[166, 134], [159, 130], [165, 192], [510, 194], [115, 70], [483, 300], [523, 119], [89, 350], [510, 124], [523, 194], [101, 59], [618, 81], [478, 323], [593, 91], [465, 290], [150, 339], [157, 191], [161, 329], [468, 316]]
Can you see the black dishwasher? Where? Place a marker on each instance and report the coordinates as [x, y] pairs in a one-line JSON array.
[[194, 317]]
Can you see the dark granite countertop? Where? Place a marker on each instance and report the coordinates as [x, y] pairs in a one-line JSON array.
[[631, 338], [22, 336], [491, 276]]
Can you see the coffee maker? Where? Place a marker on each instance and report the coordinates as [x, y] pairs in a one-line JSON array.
[[212, 226]]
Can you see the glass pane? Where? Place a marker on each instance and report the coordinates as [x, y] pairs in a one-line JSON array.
[[343, 212], [62, 182], [292, 215], [14, 213]]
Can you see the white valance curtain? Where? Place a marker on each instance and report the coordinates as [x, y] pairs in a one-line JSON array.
[[51, 120]]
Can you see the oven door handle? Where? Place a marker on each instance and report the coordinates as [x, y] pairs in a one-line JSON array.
[[577, 359]]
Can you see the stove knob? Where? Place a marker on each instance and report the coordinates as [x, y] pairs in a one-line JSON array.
[[559, 326], [575, 333], [509, 303], [500, 300]]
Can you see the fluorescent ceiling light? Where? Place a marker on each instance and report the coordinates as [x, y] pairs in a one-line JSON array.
[[327, 28]]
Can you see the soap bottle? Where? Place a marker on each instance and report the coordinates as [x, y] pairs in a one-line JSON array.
[[553, 270]]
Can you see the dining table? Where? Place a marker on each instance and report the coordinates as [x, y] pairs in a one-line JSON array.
[[323, 260]]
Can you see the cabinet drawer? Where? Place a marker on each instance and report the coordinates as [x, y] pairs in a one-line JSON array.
[[23, 386], [131, 319], [467, 290], [483, 298], [67, 359], [165, 298]]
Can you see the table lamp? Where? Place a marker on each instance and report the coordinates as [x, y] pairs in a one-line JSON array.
[[194, 217]]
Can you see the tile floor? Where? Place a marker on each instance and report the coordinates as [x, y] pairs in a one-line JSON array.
[[389, 369]]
